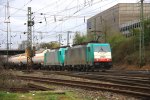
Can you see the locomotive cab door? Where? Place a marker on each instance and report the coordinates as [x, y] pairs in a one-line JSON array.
[[90, 55]]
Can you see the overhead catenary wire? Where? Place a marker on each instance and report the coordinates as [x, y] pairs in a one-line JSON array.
[[109, 3], [14, 7], [67, 15], [72, 15], [49, 5]]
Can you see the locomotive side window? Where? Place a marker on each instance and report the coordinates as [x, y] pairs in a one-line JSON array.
[[60, 52], [89, 49]]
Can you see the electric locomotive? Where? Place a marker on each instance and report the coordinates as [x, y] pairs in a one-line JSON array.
[[54, 59], [91, 56]]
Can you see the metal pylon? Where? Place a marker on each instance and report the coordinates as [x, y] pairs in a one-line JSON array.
[[29, 39]]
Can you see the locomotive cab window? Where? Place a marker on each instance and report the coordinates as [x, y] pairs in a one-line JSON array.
[[101, 49], [60, 52]]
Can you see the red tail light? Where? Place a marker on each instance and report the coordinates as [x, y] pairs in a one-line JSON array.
[[102, 60]]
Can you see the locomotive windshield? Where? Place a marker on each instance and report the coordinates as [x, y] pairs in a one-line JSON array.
[[101, 49]]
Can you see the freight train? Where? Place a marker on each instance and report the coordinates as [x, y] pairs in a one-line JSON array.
[[90, 56]]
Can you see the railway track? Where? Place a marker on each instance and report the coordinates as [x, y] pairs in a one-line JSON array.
[[115, 79], [121, 79], [28, 88], [137, 91], [141, 75]]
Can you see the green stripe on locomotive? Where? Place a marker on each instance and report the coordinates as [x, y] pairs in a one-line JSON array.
[[61, 55], [59, 60], [90, 51]]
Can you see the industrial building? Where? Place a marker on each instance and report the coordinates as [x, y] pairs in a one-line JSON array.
[[119, 18]]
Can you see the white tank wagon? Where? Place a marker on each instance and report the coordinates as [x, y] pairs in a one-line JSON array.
[[14, 59], [21, 60]]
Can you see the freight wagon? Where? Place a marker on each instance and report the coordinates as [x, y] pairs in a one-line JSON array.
[[20, 61], [91, 56]]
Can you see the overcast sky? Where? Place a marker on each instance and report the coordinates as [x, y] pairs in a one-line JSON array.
[[57, 17]]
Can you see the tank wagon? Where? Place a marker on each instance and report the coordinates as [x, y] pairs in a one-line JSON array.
[[19, 61]]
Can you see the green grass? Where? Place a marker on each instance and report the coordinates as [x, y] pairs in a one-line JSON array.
[[48, 95], [8, 96]]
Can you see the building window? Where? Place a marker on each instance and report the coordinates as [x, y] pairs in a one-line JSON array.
[[89, 25]]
